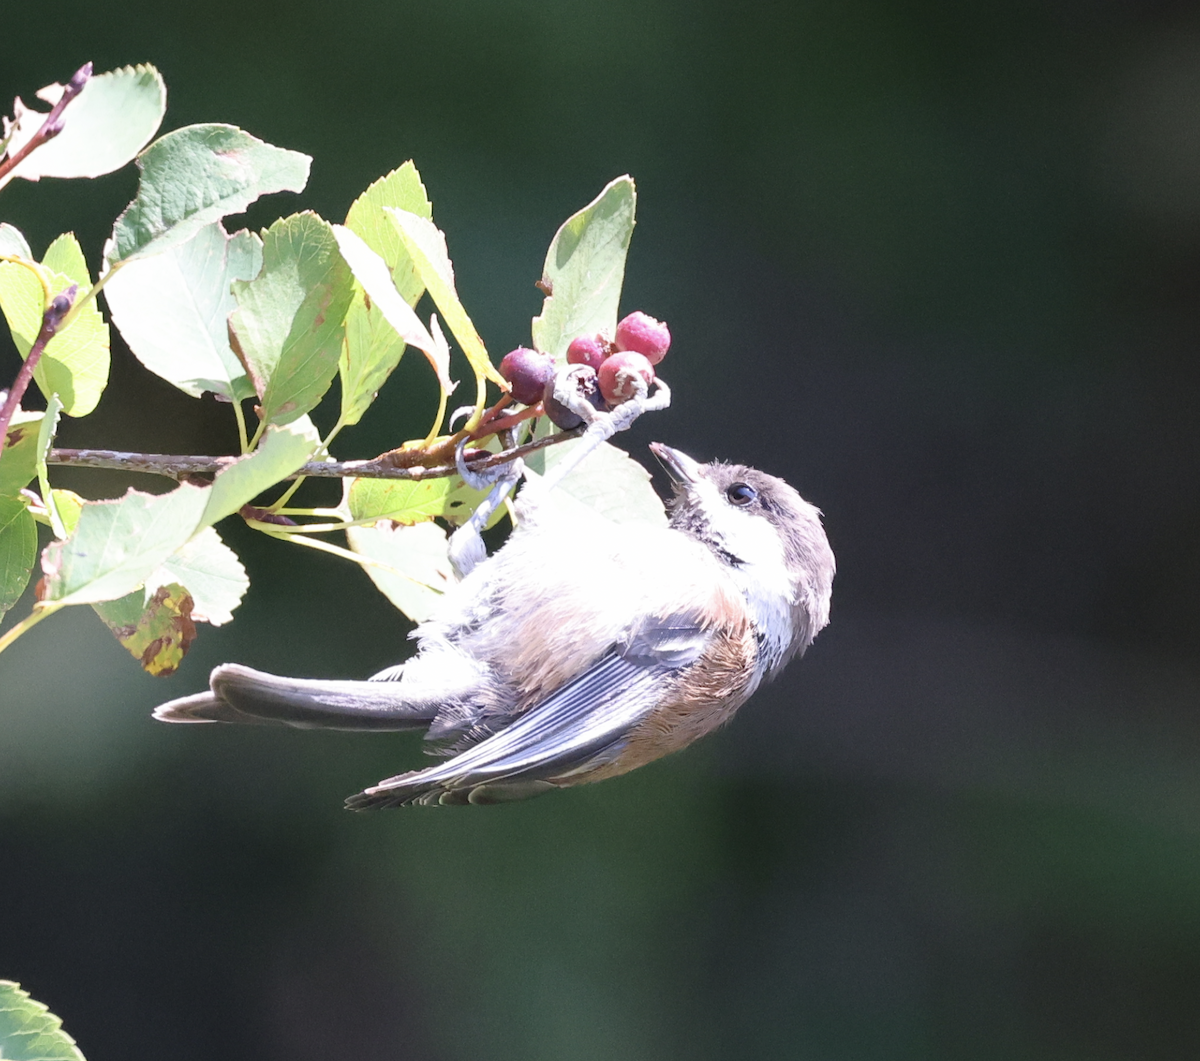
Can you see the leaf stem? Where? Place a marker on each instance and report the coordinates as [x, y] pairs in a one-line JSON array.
[[40, 611], [323, 451], [243, 441]]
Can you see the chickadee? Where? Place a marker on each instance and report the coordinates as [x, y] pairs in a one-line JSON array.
[[578, 651]]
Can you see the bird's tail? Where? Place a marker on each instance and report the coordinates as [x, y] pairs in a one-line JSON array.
[[250, 697]]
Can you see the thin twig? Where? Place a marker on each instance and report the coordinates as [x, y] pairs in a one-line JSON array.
[[53, 125], [181, 467], [51, 319]]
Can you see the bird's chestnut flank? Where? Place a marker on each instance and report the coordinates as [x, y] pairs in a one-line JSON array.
[[642, 334], [589, 350], [619, 374], [527, 370]]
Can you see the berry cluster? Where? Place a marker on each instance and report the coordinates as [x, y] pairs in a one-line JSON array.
[[605, 372]]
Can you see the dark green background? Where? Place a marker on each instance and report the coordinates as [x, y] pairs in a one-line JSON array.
[[935, 263]]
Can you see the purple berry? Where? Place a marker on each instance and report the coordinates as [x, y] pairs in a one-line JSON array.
[[619, 375], [589, 350], [527, 371], [642, 334]]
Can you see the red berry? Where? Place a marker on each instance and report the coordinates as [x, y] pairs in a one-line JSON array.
[[619, 375], [641, 333], [589, 350], [527, 370]]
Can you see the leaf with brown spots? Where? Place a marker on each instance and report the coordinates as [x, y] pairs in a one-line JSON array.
[[157, 632]]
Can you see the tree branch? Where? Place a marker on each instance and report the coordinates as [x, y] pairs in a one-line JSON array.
[[183, 467]]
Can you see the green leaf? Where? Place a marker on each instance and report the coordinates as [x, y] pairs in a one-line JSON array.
[[417, 565], [194, 176], [173, 310], [18, 458], [118, 543], [12, 242], [211, 573], [372, 347], [65, 256], [281, 451], [75, 363], [608, 483], [18, 551], [372, 273], [584, 269], [288, 325], [401, 188], [409, 501], [426, 246], [156, 631], [104, 127], [29, 1031]]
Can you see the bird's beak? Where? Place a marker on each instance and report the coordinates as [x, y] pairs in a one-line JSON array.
[[679, 466]]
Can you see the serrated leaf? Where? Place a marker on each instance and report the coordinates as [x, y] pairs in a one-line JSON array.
[[29, 1031], [18, 552], [281, 451], [426, 246], [65, 256], [609, 483], [173, 310], [372, 273], [417, 561], [401, 188], [157, 632], [75, 363], [118, 543], [289, 322], [371, 350], [584, 270], [194, 176], [413, 501], [18, 458], [104, 127], [211, 573], [12, 242]]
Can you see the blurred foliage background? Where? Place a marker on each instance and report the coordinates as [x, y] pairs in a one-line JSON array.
[[935, 263]]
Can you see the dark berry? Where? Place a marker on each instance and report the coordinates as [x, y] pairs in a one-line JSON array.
[[642, 334], [527, 371], [589, 350], [585, 383], [619, 375]]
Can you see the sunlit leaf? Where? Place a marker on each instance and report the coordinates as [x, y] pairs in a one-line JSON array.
[[194, 176], [75, 363], [18, 458], [372, 273], [157, 632], [417, 563], [173, 310], [584, 270], [426, 246], [211, 573], [12, 242], [18, 552], [104, 127], [402, 188], [407, 501], [288, 325], [29, 1031], [281, 451], [118, 543], [608, 482]]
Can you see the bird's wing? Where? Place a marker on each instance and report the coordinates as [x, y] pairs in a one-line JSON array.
[[581, 724]]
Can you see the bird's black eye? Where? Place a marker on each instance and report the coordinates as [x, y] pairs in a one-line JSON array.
[[741, 494]]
